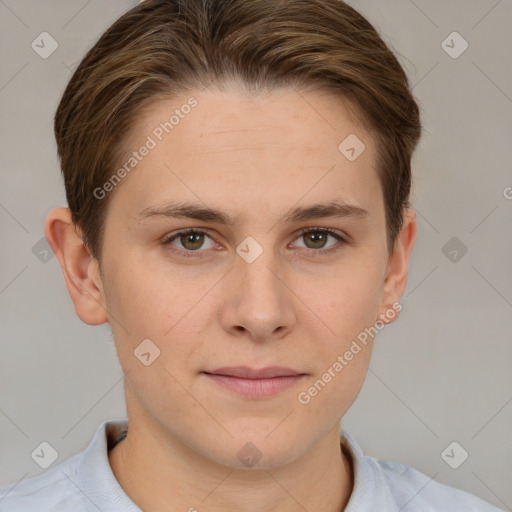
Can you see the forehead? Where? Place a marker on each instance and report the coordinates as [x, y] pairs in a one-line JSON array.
[[246, 151], [231, 112]]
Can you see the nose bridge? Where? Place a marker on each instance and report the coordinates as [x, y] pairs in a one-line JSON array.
[[257, 267], [260, 301]]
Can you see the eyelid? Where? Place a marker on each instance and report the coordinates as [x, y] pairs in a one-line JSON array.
[[341, 238], [170, 237], [330, 231]]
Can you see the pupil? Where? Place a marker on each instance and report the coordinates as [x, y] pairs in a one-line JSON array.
[[319, 238], [194, 239]]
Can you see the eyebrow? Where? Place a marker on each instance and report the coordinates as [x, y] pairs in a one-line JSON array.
[[198, 212]]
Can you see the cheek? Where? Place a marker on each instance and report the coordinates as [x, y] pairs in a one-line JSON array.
[[340, 375], [345, 309], [144, 303], [144, 299], [345, 302]]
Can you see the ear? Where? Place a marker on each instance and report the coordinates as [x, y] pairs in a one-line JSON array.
[[80, 269], [398, 269]]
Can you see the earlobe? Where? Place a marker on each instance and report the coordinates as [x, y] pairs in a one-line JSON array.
[[398, 268], [80, 269]]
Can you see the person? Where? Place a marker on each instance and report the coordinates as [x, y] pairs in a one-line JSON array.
[[237, 175]]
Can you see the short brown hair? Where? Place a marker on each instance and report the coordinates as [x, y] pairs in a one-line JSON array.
[[162, 48]]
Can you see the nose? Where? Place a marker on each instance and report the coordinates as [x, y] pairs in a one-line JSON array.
[[258, 300]]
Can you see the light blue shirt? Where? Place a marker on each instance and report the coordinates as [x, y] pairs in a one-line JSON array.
[[85, 483]]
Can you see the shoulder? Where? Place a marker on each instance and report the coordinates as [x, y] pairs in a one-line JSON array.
[[84, 482], [394, 486], [414, 491], [50, 491]]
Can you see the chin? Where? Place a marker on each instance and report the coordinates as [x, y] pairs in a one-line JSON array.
[[259, 450]]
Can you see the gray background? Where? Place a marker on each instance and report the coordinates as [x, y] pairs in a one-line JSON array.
[[441, 373]]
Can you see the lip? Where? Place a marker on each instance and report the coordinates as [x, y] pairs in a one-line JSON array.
[[254, 383], [244, 372]]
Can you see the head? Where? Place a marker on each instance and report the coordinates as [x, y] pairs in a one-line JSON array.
[[248, 121]]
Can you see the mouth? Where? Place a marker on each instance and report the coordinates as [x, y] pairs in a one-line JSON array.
[[254, 383]]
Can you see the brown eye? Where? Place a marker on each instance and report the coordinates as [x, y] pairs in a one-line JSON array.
[[317, 238], [190, 240]]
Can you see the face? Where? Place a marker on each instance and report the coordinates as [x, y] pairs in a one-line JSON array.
[[270, 282]]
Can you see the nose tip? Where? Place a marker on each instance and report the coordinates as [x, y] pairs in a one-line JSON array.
[[259, 303]]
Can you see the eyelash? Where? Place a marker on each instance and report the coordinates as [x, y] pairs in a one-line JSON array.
[[166, 241]]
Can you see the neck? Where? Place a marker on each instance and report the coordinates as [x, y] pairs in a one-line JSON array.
[[162, 475]]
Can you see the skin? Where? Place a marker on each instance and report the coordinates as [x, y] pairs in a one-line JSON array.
[[255, 157]]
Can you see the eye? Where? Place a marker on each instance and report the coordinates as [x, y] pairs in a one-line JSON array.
[[316, 239], [190, 239]]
